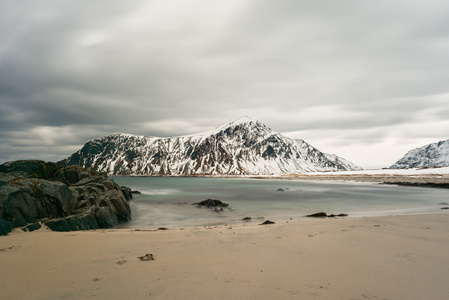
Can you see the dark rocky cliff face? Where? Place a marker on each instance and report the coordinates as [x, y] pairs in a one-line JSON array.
[[63, 198], [240, 147]]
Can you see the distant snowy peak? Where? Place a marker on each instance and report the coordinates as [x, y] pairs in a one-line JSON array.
[[239, 147], [432, 155], [237, 121], [243, 122]]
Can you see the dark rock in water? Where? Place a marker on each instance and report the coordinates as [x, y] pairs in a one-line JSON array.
[[136, 192], [324, 215], [127, 192], [32, 227], [162, 228], [445, 208], [64, 198], [5, 227], [318, 215], [443, 203], [267, 222], [339, 215], [246, 219], [280, 190], [212, 203]]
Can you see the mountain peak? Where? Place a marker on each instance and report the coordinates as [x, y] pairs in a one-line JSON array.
[[431, 156], [236, 121], [240, 121]]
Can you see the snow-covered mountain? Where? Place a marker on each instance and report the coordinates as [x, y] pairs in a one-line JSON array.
[[432, 155], [239, 147]]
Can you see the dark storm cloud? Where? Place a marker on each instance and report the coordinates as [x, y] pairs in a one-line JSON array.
[[336, 73]]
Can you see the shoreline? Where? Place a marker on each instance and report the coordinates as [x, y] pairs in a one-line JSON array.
[[436, 180], [423, 177], [391, 257]]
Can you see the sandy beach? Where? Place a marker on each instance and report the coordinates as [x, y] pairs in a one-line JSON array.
[[393, 257]]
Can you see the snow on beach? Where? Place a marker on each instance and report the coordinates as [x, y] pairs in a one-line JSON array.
[[389, 172]]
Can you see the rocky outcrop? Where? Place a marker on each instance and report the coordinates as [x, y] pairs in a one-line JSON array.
[[212, 203], [63, 198], [324, 215]]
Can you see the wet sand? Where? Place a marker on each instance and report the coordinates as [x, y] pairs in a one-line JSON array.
[[394, 257]]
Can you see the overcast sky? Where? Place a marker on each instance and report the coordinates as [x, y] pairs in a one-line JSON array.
[[366, 80]]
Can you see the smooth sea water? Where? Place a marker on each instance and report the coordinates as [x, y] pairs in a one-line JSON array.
[[167, 201]]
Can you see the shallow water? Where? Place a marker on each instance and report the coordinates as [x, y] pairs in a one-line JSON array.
[[167, 201]]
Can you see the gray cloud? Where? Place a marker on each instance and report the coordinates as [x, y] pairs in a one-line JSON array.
[[348, 77]]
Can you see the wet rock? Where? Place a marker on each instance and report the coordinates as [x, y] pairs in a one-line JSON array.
[[267, 222], [324, 215], [126, 192], [445, 208], [280, 190], [317, 215], [212, 203], [247, 219]]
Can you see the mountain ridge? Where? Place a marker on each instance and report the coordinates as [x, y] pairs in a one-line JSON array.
[[430, 155], [240, 146]]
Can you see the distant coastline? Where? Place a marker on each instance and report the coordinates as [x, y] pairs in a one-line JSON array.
[[423, 177]]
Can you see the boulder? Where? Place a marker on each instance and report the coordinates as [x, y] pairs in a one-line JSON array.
[[317, 215], [26, 201], [324, 215], [32, 168], [267, 222], [212, 203], [84, 221], [64, 198], [32, 227], [127, 192], [5, 227]]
